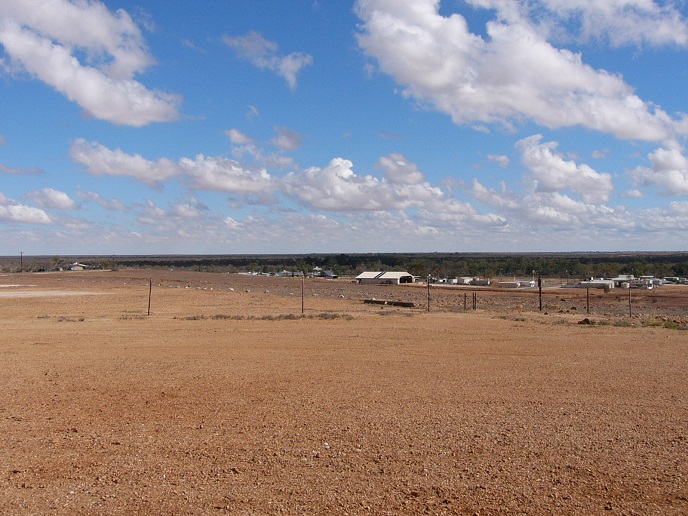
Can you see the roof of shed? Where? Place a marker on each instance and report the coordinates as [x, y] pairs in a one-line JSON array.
[[382, 275], [369, 275]]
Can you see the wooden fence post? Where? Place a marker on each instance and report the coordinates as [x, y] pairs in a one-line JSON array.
[[587, 300], [428, 293], [540, 291], [150, 292], [630, 308]]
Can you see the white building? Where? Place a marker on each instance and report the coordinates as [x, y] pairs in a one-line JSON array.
[[384, 278], [623, 280], [508, 284], [598, 283]]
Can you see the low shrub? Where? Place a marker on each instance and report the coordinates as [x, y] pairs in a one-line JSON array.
[[64, 318], [652, 322]]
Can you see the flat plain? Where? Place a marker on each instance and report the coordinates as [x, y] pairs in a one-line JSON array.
[[263, 395]]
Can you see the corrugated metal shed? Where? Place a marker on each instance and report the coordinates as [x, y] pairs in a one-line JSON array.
[[384, 278]]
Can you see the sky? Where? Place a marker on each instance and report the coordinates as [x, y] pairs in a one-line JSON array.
[[319, 126]]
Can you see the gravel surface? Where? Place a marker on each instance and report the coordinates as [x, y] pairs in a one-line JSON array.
[[226, 399]]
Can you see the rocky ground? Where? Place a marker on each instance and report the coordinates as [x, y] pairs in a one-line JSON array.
[[253, 395]]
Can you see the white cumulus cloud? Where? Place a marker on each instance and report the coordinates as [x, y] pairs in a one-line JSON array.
[[668, 171], [15, 171], [337, 188], [12, 211], [398, 169], [536, 210], [53, 199], [205, 172], [222, 174], [501, 159], [111, 205], [237, 137], [553, 173], [264, 54], [47, 37], [672, 218], [513, 74], [621, 22], [100, 160], [286, 139]]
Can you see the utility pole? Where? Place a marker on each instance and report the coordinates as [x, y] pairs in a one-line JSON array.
[[150, 293], [587, 300], [21, 261], [429, 276], [540, 291]]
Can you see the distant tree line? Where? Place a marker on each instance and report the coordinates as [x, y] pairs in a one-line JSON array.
[[450, 265]]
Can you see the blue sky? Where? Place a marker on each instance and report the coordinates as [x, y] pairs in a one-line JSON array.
[[256, 126]]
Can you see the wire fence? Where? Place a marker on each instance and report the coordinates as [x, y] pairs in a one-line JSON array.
[[314, 295], [191, 294]]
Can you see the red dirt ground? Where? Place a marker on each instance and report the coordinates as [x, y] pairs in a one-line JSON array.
[[227, 399]]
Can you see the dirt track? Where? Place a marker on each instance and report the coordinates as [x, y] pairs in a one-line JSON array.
[[226, 400]]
